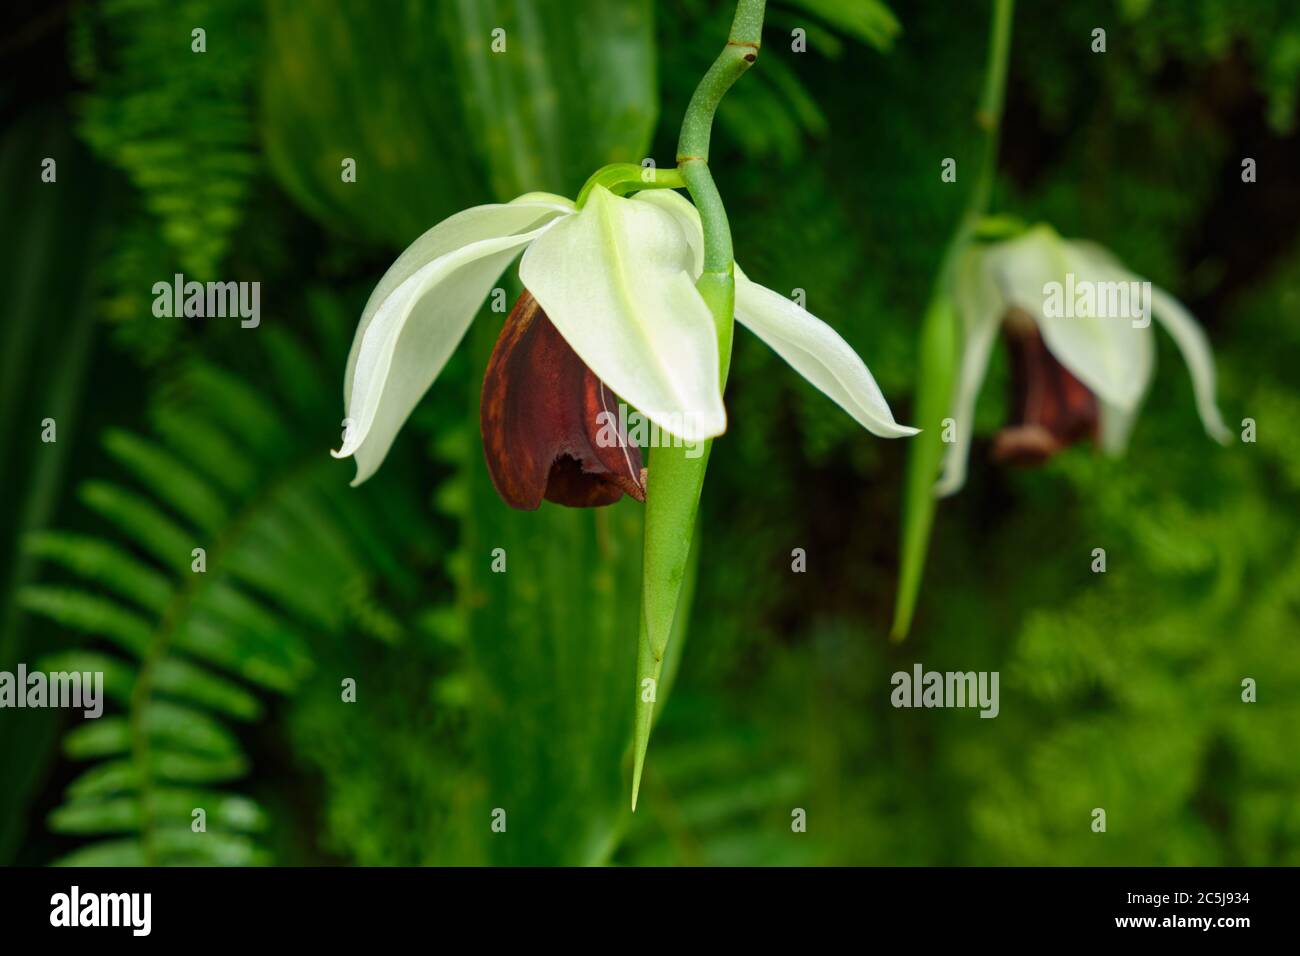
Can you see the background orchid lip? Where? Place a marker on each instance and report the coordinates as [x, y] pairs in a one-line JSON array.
[[1051, 408], [366, 675]]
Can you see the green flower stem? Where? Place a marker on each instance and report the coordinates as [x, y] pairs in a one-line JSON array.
[[624, 178], [940, 350], [697, 127], [989, 117], [675, 479]]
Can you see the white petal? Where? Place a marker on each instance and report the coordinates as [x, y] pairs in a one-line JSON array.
[[812, 347], [818, 353], [1115, 426], [1109, 354], [615, 279], [981, 308], [1192, 343], [687, 216], [1113, 354], [419, 312]]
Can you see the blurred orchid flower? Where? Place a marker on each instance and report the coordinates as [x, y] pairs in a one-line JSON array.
[[610, 308], [1079, 327]]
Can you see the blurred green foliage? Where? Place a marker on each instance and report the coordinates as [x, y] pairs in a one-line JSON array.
[[478, 691]]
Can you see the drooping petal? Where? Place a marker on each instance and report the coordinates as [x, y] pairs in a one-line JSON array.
[[818, 353], [1113, 350], [1111, 354], [1115, 427], [1191, 341], [551, 429], [981, 307], [420, 311], [813, 348], [615, 279]]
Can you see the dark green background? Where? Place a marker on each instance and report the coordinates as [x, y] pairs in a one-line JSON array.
[[478, 691]]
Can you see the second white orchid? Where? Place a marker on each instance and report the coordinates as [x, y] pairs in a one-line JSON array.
[[1083, 352]]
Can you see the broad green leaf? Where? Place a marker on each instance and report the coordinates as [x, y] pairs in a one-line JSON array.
[[553, 653], [532, 108], [348, 82], [51, 238]]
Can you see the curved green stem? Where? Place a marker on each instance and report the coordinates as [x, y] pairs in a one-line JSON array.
[[937, 369], [736, 57], [624, 178], [676, 475]]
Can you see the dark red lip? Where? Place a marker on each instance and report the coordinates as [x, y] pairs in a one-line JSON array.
[[551, 428], [1052, 409]]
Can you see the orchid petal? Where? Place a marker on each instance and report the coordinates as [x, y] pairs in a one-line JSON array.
[[420, 311], [1111, 355], [1115, 426], [982, 310], [818, 353], [615, 280], [687, 216], [1191, 341], [811, 347]]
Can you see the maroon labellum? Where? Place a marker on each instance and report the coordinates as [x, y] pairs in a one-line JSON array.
[[551, 428], [1053, 409]]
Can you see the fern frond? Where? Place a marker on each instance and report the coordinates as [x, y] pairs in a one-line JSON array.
[[194, 168], [200, 645]]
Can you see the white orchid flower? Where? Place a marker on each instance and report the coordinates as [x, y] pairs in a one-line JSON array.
[[1079, 326], [616, 280]]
